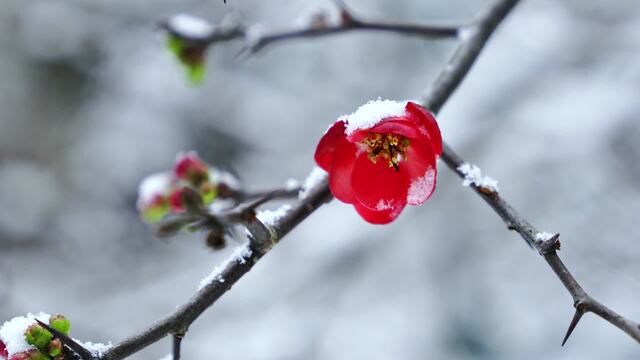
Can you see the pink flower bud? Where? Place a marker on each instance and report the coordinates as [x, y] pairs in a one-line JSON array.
[[191, 168], [175, 201]]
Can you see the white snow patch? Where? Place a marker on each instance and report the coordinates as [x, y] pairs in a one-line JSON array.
[[543, 236], [239, 255], [473, 175], [384, 205], [421, 188], [220, 176], [292, 184], [189, 26], [371, 113], [12, 331], [316, 176], [97, 349], [167, 357], [254, 34], [152, 185], [467, 32], [317, 17], [270, 217]]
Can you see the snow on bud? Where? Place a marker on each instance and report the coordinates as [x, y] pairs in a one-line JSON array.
[[153, 201], [38, 336], [187, 39], [60, 323]]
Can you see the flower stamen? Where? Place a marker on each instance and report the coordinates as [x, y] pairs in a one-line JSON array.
[[393, 148]]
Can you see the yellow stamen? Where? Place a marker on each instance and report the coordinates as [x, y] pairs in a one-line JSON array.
[[392, 148]]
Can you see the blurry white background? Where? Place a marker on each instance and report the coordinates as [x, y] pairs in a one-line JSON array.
[[91, 102]]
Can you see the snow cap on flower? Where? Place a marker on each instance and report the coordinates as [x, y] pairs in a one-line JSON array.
[[381, 158]]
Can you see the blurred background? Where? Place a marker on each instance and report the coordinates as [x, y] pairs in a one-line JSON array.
[[91, 102]]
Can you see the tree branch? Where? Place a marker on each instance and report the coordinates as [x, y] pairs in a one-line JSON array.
[[473, 39]]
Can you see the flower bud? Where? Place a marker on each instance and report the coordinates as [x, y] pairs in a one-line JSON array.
[[176, 201], [55, 348], [188, 39], [60, 323], [209, 192], [38, 336], [153, 203], [191, 168], [29, 355]]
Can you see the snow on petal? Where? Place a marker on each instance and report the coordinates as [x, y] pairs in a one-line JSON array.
[[473, 175], [239, 255], [270, 217], [421, 188], [371, 113], [12, 331], [190, 26], [316, 176]]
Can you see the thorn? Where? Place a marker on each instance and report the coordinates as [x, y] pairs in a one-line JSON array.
[[576, 317], [69, 342]]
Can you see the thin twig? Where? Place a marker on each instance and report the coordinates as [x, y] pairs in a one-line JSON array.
[[258, 41], [177, 341]]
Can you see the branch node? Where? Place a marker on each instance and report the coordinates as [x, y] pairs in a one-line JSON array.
[[550, 245]]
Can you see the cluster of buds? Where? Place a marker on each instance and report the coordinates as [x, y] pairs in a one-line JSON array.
[[46, 345], [175, 192]]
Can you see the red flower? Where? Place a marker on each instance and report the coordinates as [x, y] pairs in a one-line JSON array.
[[381, 158], [4, 354], [191, 168]]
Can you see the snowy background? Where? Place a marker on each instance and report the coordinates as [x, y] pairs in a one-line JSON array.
[[91, 102]]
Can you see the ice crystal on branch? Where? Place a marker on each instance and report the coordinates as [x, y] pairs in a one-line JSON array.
[[473, 175]]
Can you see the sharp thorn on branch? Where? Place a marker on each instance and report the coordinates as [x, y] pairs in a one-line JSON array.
[[78, 349], [576, 317]]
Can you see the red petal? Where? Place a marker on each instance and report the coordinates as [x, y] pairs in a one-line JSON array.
[[378, 186], [426, 119], [394, 125], [344, 157], [3, 350], [378, 217], [328, 144], [420, 169]]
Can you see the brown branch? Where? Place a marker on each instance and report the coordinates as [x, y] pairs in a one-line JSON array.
[[349, 24], [256, 42], [473, 41], [548, 249]]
